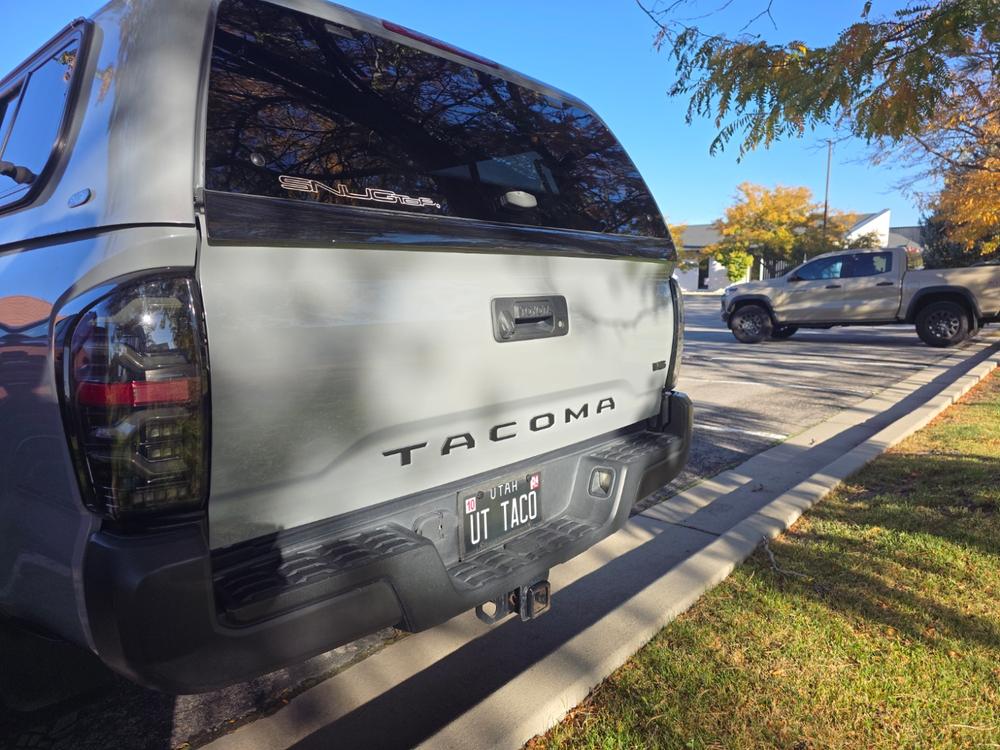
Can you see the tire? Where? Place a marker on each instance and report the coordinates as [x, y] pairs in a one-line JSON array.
[[780, 333], [943, 324], [975, 327], [751, 324]]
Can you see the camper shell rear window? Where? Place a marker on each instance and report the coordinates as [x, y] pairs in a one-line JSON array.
[[303, 108]]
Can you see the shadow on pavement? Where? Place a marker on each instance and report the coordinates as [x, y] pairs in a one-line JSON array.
[[403, 716]]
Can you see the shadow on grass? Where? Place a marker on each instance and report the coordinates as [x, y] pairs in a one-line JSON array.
[[906, 543], [876, 626]]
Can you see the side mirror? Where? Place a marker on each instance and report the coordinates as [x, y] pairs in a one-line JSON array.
[[795, 277]]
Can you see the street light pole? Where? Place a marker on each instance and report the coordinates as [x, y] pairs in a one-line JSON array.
[[826, 197]]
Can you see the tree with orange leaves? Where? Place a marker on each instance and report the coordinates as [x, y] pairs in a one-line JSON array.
[[780, 224], [966, 155], [920, 84]]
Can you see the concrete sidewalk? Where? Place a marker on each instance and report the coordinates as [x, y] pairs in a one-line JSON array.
[[463, 685]]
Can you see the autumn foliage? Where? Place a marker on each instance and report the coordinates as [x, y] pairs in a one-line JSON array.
[[963, 147], [778, 224], [920, 84]]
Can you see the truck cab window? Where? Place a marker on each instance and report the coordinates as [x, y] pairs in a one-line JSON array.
[[36, 117], [827, 268], [868, 264], [8, 103]]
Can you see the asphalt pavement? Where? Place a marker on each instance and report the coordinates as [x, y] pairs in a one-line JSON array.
[[748, 398], [751, 396]]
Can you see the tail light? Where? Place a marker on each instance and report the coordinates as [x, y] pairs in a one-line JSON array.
[[674, 368], [137, 400]]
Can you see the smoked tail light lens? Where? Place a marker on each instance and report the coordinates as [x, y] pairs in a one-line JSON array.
[[137, 397]]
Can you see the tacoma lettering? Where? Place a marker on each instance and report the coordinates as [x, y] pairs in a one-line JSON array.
[[464, 440], [505, 430], [405, 453], [495, 435]]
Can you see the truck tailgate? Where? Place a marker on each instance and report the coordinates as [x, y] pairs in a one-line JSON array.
[[325, 360]]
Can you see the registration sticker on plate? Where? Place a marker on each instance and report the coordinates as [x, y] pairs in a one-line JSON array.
[[492, 515]]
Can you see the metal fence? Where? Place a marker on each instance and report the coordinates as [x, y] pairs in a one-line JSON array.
[[780, 268]]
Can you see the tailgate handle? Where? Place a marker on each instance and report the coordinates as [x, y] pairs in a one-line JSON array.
[[523, 318], [534, 316]]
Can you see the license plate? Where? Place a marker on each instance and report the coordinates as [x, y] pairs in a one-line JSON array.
[[494, 514]]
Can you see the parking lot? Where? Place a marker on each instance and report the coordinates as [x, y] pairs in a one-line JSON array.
[[748, 398], [751, 396]]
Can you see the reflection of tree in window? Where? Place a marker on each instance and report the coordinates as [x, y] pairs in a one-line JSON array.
[[342, 106], [869, 264], [68, 60]]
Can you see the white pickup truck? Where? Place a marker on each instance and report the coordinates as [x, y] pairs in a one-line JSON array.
[[865, 288], [310, 325]]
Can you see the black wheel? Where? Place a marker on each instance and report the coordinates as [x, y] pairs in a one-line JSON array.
[[751, 324], [783, 332], [943, 324]]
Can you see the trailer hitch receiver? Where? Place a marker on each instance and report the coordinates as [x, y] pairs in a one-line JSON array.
[[528, 602]]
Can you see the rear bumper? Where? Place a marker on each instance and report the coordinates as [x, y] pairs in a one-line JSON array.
[[168, 613]]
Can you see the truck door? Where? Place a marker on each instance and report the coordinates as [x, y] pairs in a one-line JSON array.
[[870, 288], [814, 292]]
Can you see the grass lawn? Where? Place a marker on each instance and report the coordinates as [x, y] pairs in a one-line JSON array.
[[883, 631]]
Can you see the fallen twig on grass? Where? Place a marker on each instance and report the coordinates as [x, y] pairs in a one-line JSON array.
[[778, 568]]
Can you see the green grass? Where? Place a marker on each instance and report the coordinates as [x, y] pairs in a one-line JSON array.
[[890, 640]]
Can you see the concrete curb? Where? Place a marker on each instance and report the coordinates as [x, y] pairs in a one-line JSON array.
[[701, 293], [788, 507]]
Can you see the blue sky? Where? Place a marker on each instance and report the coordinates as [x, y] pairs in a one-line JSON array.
[[601, 51]]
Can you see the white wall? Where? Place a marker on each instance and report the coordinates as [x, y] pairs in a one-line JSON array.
[[687, 280], [718, 277], [879, 224], [717, 280]]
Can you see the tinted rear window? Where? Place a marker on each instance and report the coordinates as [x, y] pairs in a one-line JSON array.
[[303, 108], [868, 264]]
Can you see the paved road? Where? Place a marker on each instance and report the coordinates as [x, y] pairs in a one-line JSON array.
[[748, 398]]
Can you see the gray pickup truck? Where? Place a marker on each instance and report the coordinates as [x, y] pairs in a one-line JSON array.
[[865, 288], [310, 325]]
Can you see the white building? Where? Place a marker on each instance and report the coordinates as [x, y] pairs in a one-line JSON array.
[[877, 224], [707, 274]]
